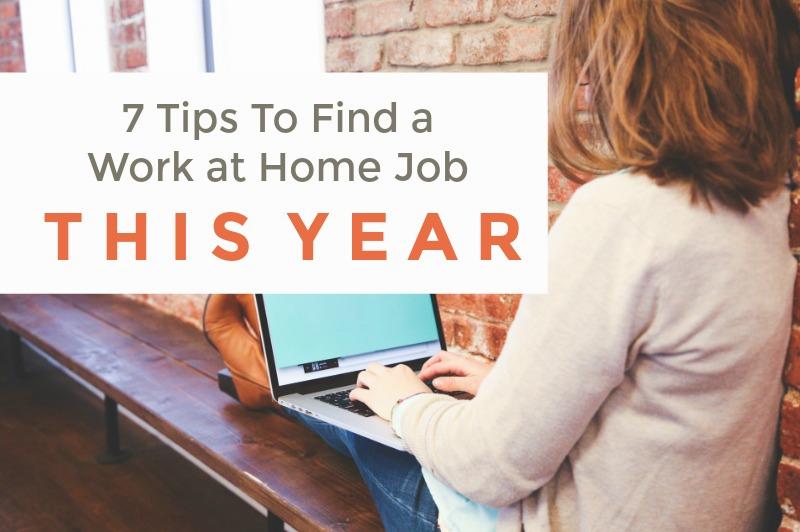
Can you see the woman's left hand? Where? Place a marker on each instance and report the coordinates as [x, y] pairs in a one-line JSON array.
[[380, 387]]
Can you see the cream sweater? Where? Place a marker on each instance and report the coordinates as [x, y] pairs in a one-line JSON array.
[[643, 392]]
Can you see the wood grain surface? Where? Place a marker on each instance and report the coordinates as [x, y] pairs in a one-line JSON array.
[[162, 370], [52, 429]]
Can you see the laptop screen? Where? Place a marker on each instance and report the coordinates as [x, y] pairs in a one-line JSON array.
[[316, 336]]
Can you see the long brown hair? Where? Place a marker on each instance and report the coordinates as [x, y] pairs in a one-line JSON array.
[[693, 91]]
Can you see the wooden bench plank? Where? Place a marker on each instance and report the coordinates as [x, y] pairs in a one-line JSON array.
[[272, 459], [179, 340]]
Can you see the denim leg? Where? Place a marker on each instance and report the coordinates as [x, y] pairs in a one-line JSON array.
[[333, 436], [394, 478]]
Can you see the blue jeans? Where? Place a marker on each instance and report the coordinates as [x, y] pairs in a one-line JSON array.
[[394, 478]]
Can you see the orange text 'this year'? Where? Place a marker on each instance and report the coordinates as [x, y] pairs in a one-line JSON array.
[[498, 232]]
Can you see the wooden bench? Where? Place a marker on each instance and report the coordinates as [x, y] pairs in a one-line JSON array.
[[163, 372]]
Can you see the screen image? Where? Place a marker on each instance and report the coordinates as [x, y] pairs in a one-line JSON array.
[[316, 336]]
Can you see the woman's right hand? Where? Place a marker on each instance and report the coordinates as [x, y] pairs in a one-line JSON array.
[[455, 373]]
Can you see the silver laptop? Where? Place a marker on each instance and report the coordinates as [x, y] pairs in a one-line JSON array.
[[315, 346]]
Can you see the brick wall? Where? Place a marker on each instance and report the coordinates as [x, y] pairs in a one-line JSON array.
[[370, 35], [127, 35], [12, 56], [789, 468]]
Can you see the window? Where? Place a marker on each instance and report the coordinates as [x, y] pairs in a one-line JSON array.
[[255, 35], [175, 36], [182, 35], [47, 35], [90, 35]]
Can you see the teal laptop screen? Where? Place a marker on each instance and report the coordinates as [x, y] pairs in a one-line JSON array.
[[315, 336]]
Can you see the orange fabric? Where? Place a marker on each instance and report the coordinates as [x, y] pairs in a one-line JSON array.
[[230, 323]]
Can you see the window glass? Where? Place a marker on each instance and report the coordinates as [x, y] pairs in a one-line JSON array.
[[257, 35], [175, 35], [46, 35]]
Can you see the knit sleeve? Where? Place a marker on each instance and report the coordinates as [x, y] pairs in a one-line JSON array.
[[564, 354]]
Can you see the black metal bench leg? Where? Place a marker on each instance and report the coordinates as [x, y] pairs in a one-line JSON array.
[[113, 454], [274, 523]]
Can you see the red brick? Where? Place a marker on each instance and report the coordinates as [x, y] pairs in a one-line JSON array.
[[796, 313], [464, 333], [455, 302], [790, 424], [12, 65], [353, 56], [10, 30], [794, 221], [493, 307], [473, 336], [8, 50], [494, 338], [135, 58], [132, 32], [131, 8], [789, 488], [385, 16], [560, 189], [791, 373], [421, 49], [9, 10], [458, 330], [505, 45], [527, 8], [459, 304], [14, 30], [789, 525], [502, 306], [339, 21], [449, 12]]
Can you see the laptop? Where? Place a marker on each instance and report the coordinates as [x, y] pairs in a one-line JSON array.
[[315, 346]]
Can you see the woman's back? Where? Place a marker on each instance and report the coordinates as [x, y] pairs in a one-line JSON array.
[[687, 440], [696, 96]]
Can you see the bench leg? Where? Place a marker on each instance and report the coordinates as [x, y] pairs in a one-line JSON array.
[[274, 523], [113, 454]]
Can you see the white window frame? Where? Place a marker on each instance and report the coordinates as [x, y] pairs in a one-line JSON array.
[[90, 38], [268, 35], [47, 35], [176, 40]]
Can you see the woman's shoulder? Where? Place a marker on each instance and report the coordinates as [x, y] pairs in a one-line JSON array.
[[635, 200], [631, 191], [667, 213], [637, 194]]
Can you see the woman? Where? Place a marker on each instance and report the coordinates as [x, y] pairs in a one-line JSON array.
[[643, 392]]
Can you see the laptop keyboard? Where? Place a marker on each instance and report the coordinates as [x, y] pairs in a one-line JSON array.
[[342, 400]]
